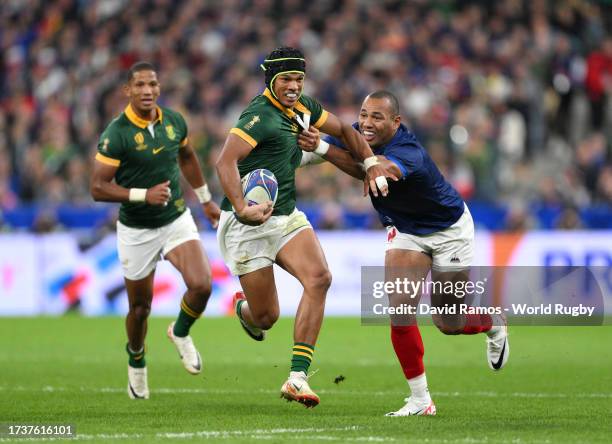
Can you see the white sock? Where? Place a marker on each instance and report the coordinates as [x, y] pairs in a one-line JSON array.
[[418, 388], [497, 322], [298, 375]]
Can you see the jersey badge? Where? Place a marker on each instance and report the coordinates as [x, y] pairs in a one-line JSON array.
[[170, 132]]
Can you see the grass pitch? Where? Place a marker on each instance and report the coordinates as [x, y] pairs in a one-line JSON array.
[[557, 386]]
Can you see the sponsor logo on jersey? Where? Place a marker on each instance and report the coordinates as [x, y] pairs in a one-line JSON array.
[[252, 122], [105, 144], [158, 149], [294, 128], [170, 132]]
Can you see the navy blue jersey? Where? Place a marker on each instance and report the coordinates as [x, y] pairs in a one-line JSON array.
[[422, 201]]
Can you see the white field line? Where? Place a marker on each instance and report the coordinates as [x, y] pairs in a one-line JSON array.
[[276, 434], [338, 392], [259, 434]]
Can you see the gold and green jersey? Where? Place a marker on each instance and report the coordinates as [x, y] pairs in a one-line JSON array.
[[272, 130], [146, 154]]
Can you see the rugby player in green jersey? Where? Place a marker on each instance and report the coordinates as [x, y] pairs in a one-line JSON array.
[[140, 157], [252, 238]]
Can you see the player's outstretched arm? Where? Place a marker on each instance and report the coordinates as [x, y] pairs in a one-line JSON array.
[[375, 175], [103, 189], [310, 140], [190, 167], [234, 150]]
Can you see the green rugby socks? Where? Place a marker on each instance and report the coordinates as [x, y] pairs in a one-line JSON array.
[[185, 320], [136, 358], [302, 357]]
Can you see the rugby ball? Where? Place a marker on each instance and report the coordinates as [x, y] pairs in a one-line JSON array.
[[260, 186]]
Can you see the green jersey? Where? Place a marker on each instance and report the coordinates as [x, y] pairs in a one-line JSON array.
[[146, 154], [272, 130]]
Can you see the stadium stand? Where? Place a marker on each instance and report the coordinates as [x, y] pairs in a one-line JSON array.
[[512, 99]]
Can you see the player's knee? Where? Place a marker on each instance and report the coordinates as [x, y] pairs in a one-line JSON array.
[[201, 286], [320, 281], [267, 319], [140, 312], [447, 326]]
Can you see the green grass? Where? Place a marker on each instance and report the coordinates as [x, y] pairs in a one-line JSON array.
[[557, 386]]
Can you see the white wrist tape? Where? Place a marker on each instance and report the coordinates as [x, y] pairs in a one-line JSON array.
[[322, 148], [370, 162], [203, 194], [310, 158], [138, 194]]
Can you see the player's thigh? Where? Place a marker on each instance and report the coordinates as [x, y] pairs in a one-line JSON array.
[[191, 261], [140, 292], [451, 292], [139, 250], [303, 257], [259, 287], [406, 267]]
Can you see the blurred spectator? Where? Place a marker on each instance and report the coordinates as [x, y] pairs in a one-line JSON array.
[[599, 81]]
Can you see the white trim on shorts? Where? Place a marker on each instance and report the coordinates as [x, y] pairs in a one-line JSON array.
[[247, 248], [450, 249], [140, 249]]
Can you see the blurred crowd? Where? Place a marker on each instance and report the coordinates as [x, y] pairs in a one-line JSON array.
[[510, 97]]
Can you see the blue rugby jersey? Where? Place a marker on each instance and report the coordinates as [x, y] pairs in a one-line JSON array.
[[422, 201]]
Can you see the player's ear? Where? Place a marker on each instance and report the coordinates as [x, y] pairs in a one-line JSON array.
[[126, 89], [397, 120]]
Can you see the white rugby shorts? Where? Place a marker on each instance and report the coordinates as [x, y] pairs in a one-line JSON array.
[[450, 249], [140, 248], [247, 248]]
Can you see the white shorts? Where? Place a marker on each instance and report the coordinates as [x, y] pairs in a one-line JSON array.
[[247, 248], [450, 249], [140, 248]]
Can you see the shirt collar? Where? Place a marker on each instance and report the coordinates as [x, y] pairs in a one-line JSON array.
[[139, 122], [288, 112]]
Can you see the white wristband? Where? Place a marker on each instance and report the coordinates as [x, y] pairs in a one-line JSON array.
[[138, 194], [322, 148], [370, 162], [203, 194]]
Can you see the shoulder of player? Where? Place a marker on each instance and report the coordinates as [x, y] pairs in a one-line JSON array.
[[171, 115], [117, 127], [308, 102]]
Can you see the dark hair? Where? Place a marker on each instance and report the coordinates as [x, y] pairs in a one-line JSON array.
[[139, 66], [383, 94]]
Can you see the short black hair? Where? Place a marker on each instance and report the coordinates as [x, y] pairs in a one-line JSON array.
[[384, 94], [139, 66]]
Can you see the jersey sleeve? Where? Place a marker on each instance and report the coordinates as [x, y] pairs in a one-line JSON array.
[[407, 159], [252, 127], [318, 116], [110, 148], [334, 141]]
